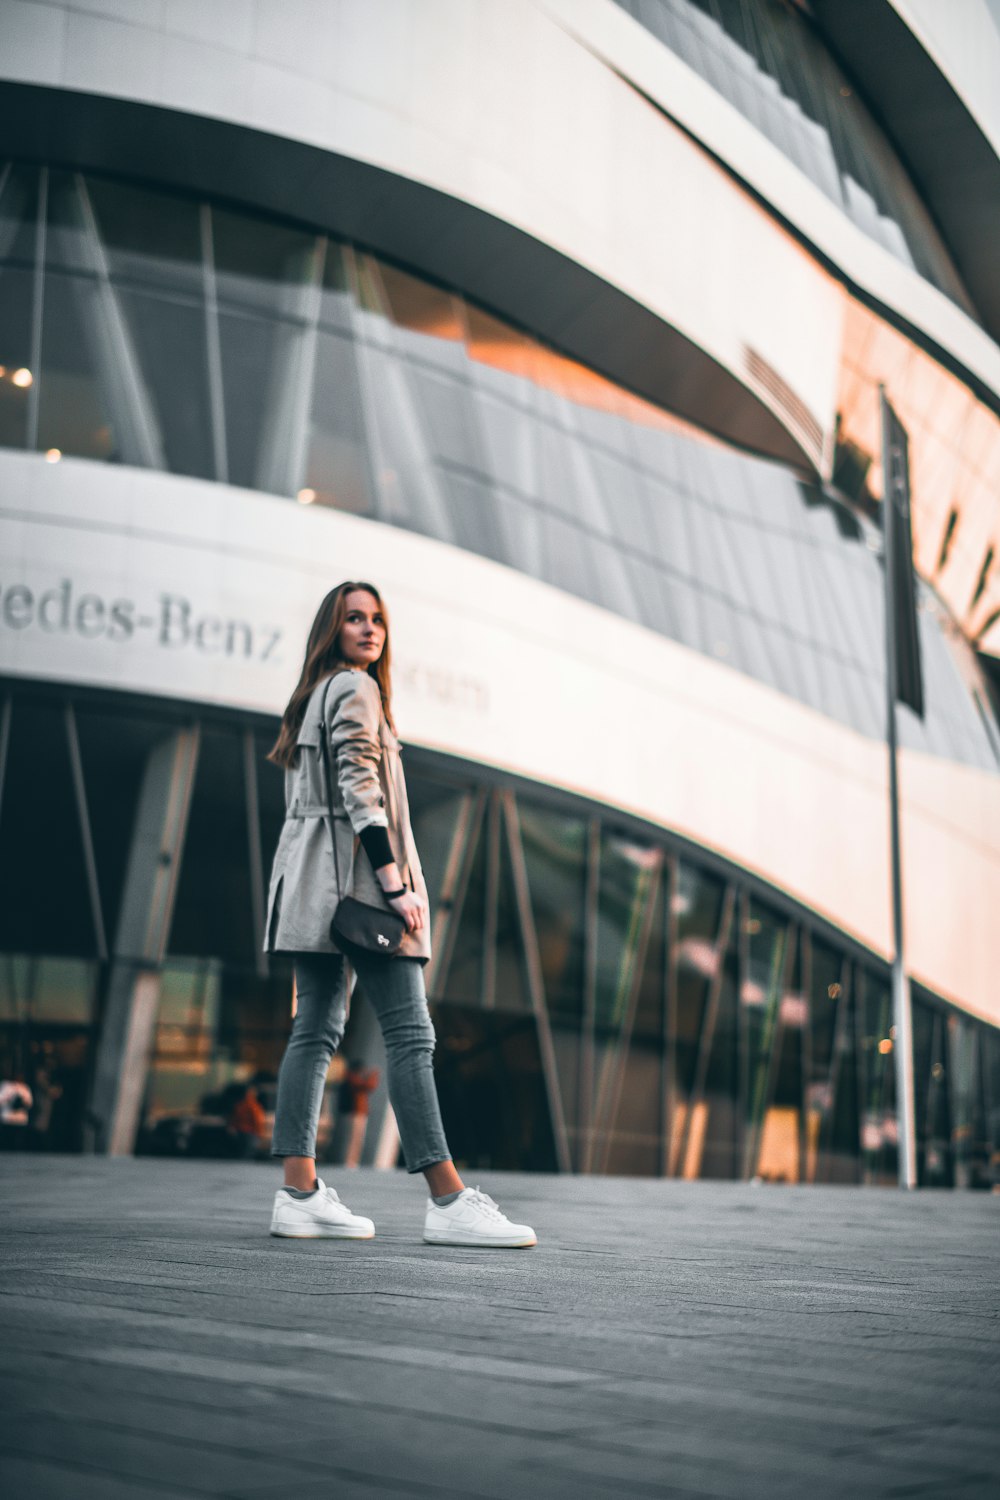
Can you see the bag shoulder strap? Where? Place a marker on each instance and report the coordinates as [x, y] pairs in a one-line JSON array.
[[328, 778]]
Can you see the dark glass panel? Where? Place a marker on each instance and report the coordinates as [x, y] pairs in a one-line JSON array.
[[170, 341], [37, 989], [697, 909], [989, 1038], [967, 1044], [261, 265], [827, 1036], [18, 214], [114, 748], [147, 237], [77, 408], [16, 301], [464, 979], [44, 903], [18, 211], [879, 1128], [511, 972], [263, 385], [771, 1139], [555, 851], [634, 1140], [213, 917], [935, 1162], [492, 1092], [717, 1132], [435, 808]]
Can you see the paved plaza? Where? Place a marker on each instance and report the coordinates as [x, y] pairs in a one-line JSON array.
[[664, 1339]]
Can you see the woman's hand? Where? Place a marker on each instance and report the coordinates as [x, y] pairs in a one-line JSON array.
[[412, 908]]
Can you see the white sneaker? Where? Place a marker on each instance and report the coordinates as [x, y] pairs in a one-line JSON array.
[[321, 1217], [474, 1219]]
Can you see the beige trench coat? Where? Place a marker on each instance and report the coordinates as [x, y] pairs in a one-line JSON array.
[[371, 789]]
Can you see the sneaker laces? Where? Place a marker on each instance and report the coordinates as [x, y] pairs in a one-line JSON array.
[[485, 1204]]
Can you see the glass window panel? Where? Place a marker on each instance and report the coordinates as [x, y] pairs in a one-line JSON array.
[[260, 264], [77, 408], [555, 846], [697, 904], [511, 983], [505, 360], [408, 486], [508, 444], [448, 417], [33, 884], [492, 1091], [337, 458], [879, 1130], [633, 1145], [37, 989], [434, 811], [421, 309], [718, 1136], [474, 523], [169, 337], [148, 237], [569, 562], [464, 979], [214, 912], [336, 300], [18, 214], [16, 302], [761, 995]]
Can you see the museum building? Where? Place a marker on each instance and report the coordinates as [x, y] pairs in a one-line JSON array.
[[563, 321]]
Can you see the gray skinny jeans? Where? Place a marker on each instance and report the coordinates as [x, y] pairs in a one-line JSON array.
[[395, 989]]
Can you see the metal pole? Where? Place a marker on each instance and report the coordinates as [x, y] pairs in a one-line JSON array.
[[903, 1041]]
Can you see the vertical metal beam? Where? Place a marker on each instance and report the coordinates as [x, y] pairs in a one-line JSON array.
[[213, 348], [668, 1090], [37, 309], [536, 982], [901, 1003], [591, 935], [83, 814], [256, 859], [488, 986], [133, 991]]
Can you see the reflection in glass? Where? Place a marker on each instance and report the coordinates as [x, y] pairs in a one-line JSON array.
[[199, 339]]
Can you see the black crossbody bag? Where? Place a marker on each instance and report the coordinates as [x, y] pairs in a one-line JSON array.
[[375, 931]]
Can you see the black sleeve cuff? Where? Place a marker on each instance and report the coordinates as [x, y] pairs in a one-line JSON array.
[[375, 842]]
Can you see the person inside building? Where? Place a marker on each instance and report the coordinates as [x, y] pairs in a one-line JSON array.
[[246, 1124], [344, 786]]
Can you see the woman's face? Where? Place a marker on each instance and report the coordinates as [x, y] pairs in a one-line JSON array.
[[362, 635]]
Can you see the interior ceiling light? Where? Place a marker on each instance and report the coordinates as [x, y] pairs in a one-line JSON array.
[[306, 496], [23, 378], [53, 455]]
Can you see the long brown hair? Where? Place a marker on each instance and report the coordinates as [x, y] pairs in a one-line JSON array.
[[322, 659]]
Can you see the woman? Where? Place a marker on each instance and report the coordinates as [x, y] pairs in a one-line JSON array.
[[344, 692]]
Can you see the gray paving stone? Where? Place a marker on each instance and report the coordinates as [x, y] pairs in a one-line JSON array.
[[669, 1339]]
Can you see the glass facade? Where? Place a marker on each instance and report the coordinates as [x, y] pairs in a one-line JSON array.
[[606, 999], [767, 60], [153, 330]]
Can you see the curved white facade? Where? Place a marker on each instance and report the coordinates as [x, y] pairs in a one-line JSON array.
[[771, 313]]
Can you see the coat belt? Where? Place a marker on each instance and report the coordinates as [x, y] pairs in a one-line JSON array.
[[315, 810]]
